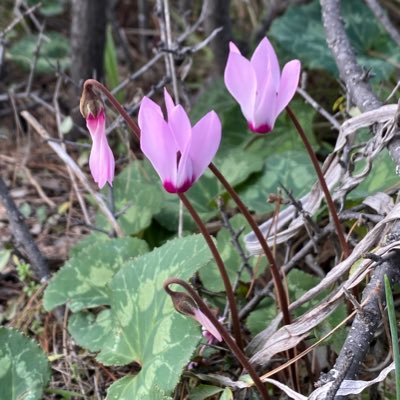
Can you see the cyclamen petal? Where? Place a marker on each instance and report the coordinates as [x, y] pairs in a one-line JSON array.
[[207, 130], [258, 86], [101, 159], [155, 140], [178, 152], [288, 84], [241, 82], [202, 319]]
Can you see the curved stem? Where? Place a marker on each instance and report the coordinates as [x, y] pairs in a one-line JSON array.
[[322, 182], [281, 294], [276, 276], [225, 335], [131, 123], [221, 268]]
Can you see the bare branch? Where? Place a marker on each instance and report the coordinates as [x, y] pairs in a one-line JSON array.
[[23, 236], [383, 18], [361, 94]]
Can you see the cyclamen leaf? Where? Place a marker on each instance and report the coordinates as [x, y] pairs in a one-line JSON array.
[[53, 51], [141, 324], [137, 207], [24, 369], [293, 169], [90, 331], [82, 281], [145, 327], [300, 32]]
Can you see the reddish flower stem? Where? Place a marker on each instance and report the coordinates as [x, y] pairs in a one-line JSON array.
[[228, 287], [221, 268], [276, 276], [322, 182], [224, 333], [131, 123]]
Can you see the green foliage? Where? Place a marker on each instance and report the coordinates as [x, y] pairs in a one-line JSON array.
[[216, 98], [381, 177], [293, 169], [141, 324], [5, 255], [89, 330], [111, 64], [259, 319], [138, 197], [24, 369], [299, 282], [23, 269], [335, 318], [237, 166], [54, 50], [25, 275], [146, 328], [301, 34], [82, 281], [202, 195], [49, 8], [202, 392], [226, 394], [210, 277]]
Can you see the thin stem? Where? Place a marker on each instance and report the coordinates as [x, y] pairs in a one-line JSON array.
[[276, 276], [322, 182], [131, 123], [224, 333], [221, 267], [281, 294]]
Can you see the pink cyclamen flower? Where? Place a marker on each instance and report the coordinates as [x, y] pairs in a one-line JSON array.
[[258, 85], [178, 152], [101, 160], [207, 325]]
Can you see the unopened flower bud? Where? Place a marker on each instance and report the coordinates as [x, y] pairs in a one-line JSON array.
[[90, 103], [183, 303], [101, 159]]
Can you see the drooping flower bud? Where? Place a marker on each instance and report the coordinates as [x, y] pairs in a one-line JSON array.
[[184, 304], [101, 160]]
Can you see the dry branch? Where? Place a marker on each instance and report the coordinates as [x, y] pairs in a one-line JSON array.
[[22, 235], [366, 323]]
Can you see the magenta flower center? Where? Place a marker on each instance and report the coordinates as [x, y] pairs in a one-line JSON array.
[[265, 128]]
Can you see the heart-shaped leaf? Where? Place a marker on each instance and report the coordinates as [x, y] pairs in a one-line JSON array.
[[141, 324], [81, 282], [138, 197], [24, 369]]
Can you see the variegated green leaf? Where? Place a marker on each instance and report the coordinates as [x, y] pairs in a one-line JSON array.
[[137, 196], [146, 329], [90, 331], [82, 281], [121, 390], [291, 168], [24, 370]]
